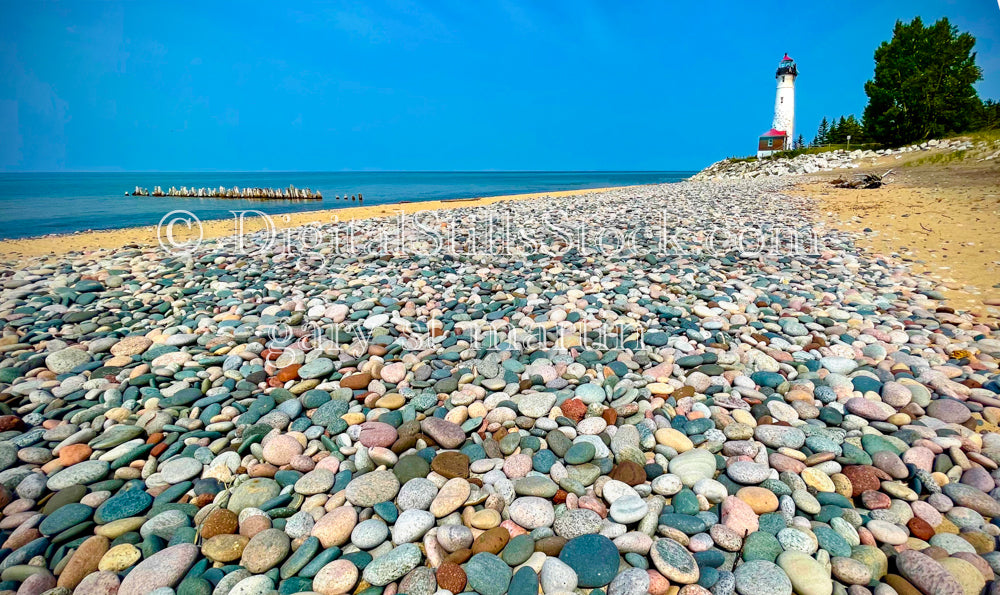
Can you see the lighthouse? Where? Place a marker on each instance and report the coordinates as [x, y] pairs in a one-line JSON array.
[[781, 136]]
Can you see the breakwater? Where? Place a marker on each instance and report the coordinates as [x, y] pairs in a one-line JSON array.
[[235, 192]]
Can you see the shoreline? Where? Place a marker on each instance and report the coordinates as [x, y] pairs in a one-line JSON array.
[[110, 239], [971, 284]]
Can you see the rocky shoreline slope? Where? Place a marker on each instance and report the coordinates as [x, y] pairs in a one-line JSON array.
[[667, 406], [810, 163]]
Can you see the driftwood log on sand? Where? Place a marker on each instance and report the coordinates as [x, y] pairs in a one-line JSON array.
[[865, 181]]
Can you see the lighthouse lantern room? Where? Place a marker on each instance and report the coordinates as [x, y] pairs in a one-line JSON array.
[[781, 136]]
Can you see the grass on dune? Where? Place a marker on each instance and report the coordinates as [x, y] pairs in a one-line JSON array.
[[990, 137]]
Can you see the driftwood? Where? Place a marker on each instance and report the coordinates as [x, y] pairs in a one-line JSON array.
[[862, 181]]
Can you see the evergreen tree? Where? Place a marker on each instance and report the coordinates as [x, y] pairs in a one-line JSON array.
[[922, 86], [988, 116], [834, 137], [853, 128], [821, 133], [800, 143], [842, 127]]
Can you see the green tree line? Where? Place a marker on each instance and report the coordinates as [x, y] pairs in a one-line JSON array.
[[835, 132]]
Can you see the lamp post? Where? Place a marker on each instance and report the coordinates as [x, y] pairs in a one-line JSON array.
[[848, 142]]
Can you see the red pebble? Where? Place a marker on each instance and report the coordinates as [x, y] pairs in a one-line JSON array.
[[920, 528], [10, 422], [574, 409], [270, 354], [875, 500]]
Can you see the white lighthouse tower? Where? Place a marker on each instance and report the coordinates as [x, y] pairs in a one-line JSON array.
[[781, 136]]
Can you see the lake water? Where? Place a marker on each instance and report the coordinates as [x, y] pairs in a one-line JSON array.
[[45, 203]]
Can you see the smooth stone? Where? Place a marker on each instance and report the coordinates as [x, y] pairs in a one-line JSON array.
[[82, 473], [450, 497], [593, 557], [392, 565], [692, 466], [165, 568], [927, 574], [411, 526], [747, 472], [252, 493], [761, 577], [64, 518], [524, 582], [850, 571], [336, 578], [531, 512], [971, 497], [761, 545], [628, 509], [371, 488], [369, 534], [488, 574], [556, 576], [265, 550], [577, 522], [445, 433], [65, 360], [317, 481], [674, 561], [122, 505], [632, 581], [808, 577]]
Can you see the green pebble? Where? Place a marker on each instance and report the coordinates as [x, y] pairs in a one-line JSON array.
[[195, 586], [761, 545], [317, 563], [579, 453], [518, 550], [685, 502]]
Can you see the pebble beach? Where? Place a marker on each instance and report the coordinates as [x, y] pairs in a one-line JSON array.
[[622, 400]]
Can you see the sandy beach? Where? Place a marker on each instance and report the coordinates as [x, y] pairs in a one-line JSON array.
[[937, 216], [94, 241]]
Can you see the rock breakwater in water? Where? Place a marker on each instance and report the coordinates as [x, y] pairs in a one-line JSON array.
[[235, 192], [765, 419]]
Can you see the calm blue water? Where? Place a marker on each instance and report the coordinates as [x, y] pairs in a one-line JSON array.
[[39, 204]]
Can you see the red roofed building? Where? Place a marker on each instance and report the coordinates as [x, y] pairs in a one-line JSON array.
[[781, 136], [772, 141]]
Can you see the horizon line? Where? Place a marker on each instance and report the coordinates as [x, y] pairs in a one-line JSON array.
[[363, 171]]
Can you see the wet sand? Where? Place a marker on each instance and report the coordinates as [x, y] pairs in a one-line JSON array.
[[93, 241]]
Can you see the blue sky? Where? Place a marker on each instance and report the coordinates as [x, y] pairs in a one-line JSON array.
[[449, 85]]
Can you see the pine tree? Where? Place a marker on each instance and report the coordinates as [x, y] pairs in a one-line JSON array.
[[822, 133], [988, 116], [843, 127], [833, 136], [800, 143], [853, 128]]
